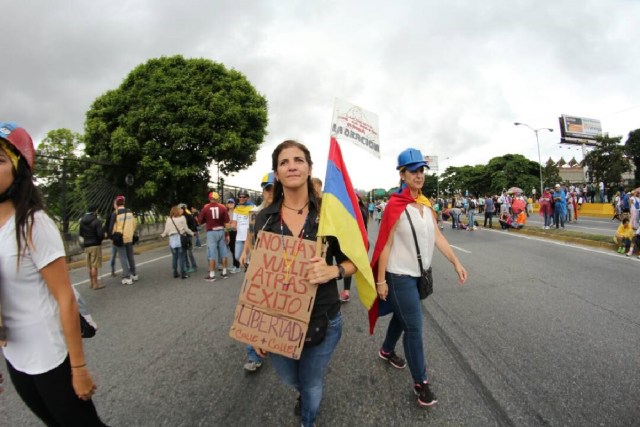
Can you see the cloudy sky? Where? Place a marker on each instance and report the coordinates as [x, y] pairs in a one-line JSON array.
[[449, 78]]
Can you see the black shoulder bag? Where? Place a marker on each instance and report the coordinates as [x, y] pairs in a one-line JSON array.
[[117, 237], [185, 239], [425, 284]]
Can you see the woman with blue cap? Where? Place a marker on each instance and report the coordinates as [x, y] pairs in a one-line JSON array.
[[408, 228]]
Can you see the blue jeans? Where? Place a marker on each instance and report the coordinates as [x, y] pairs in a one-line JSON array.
[[113, 258], [455, 220], [127, 261], [307, 374], [178, 255], [470, 215], [189, 259], [216, 245], [252, 355], [548, 219], [558, 217], [238, 249], [407, 318], [198, 243]]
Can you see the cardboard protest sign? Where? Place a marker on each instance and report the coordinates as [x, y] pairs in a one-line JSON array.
[[356, 125], [276, 298]]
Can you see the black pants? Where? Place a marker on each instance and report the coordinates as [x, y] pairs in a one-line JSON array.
[[488, 216], [232, 247], [347, 283], [51, 398]]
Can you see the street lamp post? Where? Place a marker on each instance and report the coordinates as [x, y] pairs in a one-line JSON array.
[[538, 144], [438, 180]]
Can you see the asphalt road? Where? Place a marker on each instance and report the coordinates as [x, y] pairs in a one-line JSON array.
[[543, 333]]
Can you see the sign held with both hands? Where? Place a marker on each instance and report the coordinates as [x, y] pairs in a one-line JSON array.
[[276, 299]]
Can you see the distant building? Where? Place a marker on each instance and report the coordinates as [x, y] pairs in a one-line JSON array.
[[575, 172]]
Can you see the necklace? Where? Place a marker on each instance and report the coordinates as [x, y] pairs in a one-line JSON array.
[[296, 209], [288, 263]]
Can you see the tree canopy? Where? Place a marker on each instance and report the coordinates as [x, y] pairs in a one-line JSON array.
[[607, 162], [168, 121], [500, 173], [56, 167], [632, 148]]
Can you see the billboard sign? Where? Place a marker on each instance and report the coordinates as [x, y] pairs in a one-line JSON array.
[[581, 128], [432, 161]]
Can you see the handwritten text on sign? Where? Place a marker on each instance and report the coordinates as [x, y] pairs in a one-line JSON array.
[[276, 298]]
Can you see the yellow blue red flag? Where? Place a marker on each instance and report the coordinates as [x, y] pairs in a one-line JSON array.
[[340, 217]]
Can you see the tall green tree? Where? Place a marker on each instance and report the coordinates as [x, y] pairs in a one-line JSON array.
[[430, 185], [550, 174], [500, 173], [632, 148], [607, 162], [56, 168], [169, 120]]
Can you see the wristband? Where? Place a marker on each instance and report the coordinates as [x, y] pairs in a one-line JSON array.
[[79, 366], [384, 282]]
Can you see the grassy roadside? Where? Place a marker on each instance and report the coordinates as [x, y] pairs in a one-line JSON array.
[[568, 236]]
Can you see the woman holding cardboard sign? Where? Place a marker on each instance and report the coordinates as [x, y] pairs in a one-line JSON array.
[[295, 212]]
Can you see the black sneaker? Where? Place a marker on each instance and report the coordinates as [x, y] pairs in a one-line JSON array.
[[208, 278], [425, 396], [395, 360], [224, 275]]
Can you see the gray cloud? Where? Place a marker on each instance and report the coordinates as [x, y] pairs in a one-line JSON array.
[[449, 78]]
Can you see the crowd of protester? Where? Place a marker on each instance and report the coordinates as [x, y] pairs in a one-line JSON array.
[[57, 385]]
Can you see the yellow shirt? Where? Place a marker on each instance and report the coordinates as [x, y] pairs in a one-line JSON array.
[[625, 231]]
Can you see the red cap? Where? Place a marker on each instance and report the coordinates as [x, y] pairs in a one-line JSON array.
[[20, 139]]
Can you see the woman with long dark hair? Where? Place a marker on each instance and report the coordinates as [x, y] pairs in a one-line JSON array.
[[43, 350], [295, 212], [408, 224]]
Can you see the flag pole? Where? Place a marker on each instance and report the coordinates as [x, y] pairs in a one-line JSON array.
[[319, 246]]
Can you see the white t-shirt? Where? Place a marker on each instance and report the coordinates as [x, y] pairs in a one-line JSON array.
[[403, 258], [242, 226], [30, 313]]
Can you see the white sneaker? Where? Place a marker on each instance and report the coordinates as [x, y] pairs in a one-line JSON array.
[[252, 366], [127, 281], [134, 277]]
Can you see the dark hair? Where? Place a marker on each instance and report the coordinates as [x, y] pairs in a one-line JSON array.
[[27, 201], [278, 192]]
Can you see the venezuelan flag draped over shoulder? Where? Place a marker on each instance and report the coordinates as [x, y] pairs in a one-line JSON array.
[[397, 204], [340, 217]]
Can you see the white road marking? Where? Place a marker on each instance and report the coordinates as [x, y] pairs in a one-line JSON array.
[[460, 249]]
